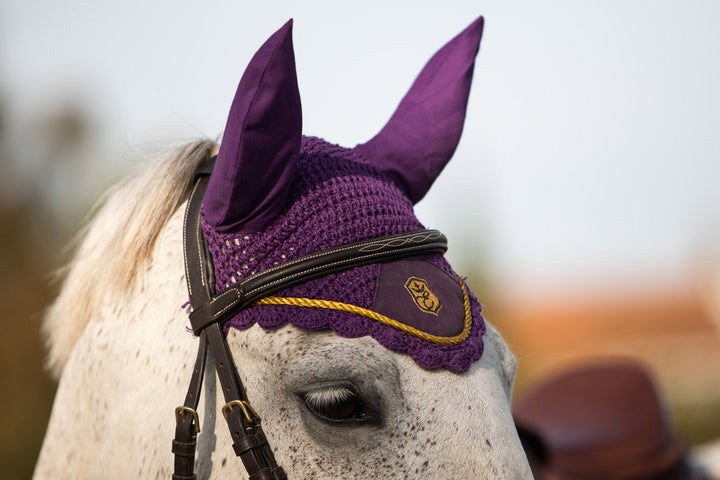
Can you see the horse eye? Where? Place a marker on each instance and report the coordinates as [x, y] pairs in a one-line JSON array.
[[335, 403]]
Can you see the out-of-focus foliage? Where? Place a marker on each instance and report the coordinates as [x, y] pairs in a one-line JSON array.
[[33, 237]]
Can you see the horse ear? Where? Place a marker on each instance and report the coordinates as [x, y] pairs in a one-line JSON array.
[[421, 136], [261, 143]]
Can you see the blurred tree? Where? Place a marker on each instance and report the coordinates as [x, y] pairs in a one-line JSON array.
[[27, 390], [36, 194]]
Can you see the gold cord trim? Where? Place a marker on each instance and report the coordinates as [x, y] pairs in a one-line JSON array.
[[345, 307]]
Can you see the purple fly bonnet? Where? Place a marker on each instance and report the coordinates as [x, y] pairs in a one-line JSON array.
[[275, 196]]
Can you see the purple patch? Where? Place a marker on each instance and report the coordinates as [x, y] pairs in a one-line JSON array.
[[419, 294]]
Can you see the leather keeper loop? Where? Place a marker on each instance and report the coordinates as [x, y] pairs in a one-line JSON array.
[[248, 442], [184, 449], [200, 318], [184, 477], [268, 473]]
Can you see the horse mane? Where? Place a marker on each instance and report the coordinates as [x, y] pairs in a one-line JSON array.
[[116, 242]]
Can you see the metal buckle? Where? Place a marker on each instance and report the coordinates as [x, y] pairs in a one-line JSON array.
[[251, 416], [182, 410]]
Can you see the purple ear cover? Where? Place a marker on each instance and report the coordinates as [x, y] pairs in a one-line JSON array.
[[422, 134], [249, 184], [275, 196]]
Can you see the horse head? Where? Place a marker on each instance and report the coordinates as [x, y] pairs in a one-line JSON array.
[[385, 369]]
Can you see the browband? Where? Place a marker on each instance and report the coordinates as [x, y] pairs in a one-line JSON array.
[[210, 311], [222, 306]]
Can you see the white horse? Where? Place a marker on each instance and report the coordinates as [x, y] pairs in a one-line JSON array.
[[120, 347]]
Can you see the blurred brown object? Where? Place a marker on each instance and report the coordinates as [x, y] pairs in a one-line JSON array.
[[601, 421], [27, 391]]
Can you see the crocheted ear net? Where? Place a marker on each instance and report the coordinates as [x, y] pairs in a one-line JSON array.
[[336, 198]]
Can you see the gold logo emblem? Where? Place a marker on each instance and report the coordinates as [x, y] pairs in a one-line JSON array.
[[424, 298]]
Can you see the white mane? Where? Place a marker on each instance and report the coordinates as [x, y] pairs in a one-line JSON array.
[[116, 242]]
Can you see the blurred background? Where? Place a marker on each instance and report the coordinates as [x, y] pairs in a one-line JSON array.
[[582, 203]]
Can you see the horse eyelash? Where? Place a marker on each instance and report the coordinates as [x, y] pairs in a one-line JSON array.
[[328, 396]]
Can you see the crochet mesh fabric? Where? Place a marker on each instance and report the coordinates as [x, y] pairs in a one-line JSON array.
[[335, 198]]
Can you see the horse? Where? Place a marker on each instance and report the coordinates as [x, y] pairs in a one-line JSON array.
[[388, 369]]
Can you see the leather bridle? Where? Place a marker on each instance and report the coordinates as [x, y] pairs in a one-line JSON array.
[[210, 310]]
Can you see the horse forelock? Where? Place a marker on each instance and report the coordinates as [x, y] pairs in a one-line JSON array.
[[116, 242]]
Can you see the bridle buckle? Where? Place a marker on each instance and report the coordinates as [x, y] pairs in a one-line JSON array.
[[182, 410], [249, 414]]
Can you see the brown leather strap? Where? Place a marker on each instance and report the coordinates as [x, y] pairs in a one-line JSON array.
[[246, 431], [187, 424]]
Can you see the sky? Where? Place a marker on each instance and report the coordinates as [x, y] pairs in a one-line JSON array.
[[590, 157]]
